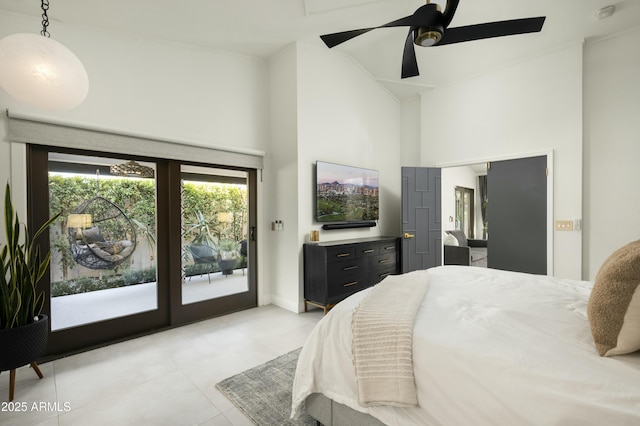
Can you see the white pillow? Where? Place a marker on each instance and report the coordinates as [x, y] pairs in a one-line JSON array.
[[450, 240]]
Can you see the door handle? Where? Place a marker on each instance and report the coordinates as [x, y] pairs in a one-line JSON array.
[[407, 235]]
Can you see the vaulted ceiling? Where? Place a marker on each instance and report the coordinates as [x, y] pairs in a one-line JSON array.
[[263, 27]]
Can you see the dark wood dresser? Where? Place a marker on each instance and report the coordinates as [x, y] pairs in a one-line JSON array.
[[334, 270]]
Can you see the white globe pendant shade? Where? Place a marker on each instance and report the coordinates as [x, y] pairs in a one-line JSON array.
[[41, 72]]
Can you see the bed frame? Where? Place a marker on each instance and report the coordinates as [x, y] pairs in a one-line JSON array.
[[330, 413]]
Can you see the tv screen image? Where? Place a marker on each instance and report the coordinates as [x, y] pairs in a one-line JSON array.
[[346, 193]]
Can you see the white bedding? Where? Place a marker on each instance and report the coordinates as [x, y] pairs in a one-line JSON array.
[[489, 348]]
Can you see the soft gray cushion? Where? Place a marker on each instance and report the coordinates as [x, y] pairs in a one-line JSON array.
[[92, 235]]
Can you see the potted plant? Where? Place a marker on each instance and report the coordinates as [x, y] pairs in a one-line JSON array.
[[23, 327]]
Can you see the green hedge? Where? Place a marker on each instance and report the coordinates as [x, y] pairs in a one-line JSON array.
[[126, 278], [87, 284]]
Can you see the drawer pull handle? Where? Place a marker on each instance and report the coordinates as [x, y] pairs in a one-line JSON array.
[[384, 261], [342, 255], [350, 284], [349, 268], [367, 251], [390, 248]]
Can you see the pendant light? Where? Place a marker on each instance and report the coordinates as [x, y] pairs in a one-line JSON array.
[[41, 72], [131, 169]]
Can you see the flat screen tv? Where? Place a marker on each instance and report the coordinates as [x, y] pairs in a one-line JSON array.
[[346, 193]]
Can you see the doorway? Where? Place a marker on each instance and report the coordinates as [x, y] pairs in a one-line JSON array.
[[417, 252], [121, 264], [506, 209]]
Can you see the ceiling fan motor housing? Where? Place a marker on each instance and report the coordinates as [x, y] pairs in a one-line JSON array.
[[428, 36], [433, 26]]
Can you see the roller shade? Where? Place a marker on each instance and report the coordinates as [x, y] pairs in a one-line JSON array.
[[59, 135]]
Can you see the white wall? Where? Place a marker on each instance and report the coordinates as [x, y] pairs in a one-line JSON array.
[[168, 91], [280, 259], [611, 147], [341, 116], [346, 117], [530, 107], [410, 132]]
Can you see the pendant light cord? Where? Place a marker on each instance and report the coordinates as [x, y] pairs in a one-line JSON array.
[[45, 18]]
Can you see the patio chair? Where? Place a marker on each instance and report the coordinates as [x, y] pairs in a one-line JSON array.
[[203, 255], [108, 242]]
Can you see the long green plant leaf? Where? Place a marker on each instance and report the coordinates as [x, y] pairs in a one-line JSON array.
[[22, 268]]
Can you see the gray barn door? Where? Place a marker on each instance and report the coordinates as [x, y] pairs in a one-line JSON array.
[[421, 218], [517, 213]]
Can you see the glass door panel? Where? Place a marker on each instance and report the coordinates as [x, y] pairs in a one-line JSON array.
[[215, 220], [103, 262]]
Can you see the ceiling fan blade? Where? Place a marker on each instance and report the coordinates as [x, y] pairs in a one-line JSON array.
[[491, 29], [407, 21], [335, 39], [409, 61], [449, 11], [421, 17]]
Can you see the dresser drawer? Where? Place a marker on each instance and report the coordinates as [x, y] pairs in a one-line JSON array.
[[387, 247], [383, 261], [344, 285], [366, 250], [377, 276], [336, 254], [344, 267]]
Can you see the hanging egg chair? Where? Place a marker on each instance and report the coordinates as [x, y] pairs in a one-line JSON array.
[[101, 236]]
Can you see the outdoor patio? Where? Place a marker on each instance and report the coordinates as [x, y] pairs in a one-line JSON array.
[[83, 308]]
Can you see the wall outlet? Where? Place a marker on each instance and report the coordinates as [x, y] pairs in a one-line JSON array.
[[564, 225], [577, 224]]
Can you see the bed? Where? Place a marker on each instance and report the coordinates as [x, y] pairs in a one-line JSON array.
[[488, 347]]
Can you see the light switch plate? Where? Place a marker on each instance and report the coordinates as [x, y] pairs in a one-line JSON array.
[[564, 225]]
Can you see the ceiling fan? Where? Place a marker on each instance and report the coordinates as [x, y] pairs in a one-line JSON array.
[[428, 27]]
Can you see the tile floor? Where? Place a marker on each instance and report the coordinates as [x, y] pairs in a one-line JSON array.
[[167, 378]]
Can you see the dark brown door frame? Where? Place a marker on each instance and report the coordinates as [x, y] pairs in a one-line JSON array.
[[183, 314], [170, 310], [101, 332]]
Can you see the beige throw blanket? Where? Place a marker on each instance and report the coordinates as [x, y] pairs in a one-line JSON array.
[[382, 328]]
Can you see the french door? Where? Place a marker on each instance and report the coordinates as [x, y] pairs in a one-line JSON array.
[[216, 239], [124, 252]]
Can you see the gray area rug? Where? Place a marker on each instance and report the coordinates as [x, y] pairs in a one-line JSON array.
[[263, 393]]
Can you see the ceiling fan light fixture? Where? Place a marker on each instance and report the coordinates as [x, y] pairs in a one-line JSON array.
[[427, 36]]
